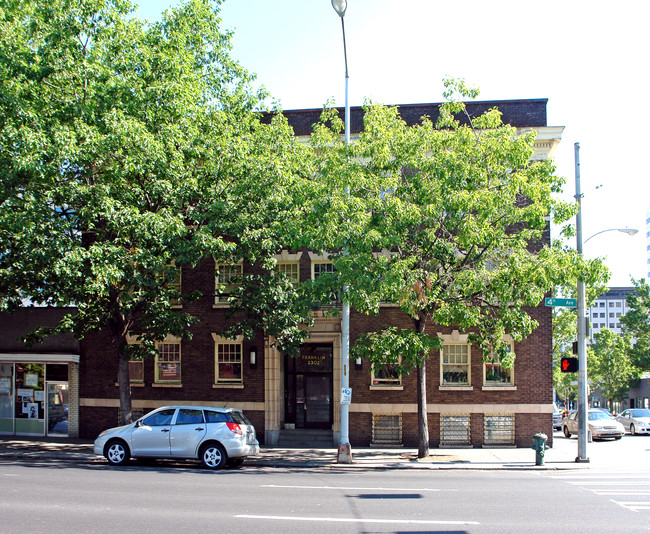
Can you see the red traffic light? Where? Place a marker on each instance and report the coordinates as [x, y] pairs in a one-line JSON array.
[[569, 365]]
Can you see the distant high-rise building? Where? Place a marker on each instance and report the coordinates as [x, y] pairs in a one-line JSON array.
[[606, 312]]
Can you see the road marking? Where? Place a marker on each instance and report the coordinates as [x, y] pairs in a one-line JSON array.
[[352, 488], [633, 506], [357, 520], [607, 483]]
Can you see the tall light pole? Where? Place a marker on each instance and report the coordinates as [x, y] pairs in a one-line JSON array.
[[344, 454], [583, 409], [582, 328]]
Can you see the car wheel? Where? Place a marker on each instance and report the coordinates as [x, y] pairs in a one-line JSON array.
[[235, 462], [213, 456], [567, 434], [632, 430], [117, 452]]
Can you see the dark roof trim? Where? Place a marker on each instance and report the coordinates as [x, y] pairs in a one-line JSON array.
[[529, 113]]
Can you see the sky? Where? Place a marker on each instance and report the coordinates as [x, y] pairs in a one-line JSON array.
[[588, 58]]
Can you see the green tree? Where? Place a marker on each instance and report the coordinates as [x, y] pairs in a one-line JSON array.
[[610, 367], [636, 323], [127, 152], [461, 214]]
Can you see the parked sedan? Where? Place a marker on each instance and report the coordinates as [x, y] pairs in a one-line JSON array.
[[635, 421], [215, 436], [600, 425]]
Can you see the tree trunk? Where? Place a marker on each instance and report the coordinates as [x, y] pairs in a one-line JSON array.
[[423, 425], [124, 385]]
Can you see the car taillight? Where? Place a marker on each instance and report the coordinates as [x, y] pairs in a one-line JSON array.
[[235, 428]]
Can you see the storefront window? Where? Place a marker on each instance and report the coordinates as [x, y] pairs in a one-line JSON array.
[[6, 398], [30, 398]]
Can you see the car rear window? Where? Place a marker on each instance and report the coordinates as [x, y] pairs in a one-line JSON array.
[[217, 417], [240, 418]]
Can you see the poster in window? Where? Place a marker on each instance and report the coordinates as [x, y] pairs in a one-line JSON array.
[[5, 385], [39, 396], [31, 380], [25, 395], [32, 410]]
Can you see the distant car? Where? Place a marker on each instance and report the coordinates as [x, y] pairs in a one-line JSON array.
[[600, 425], [557, 418], [635, 421], [215, 436]]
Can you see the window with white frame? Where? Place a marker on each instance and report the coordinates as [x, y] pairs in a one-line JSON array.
[[494, 374], [386, 375], [226, 281], [168, 362], [290, 270], [227, 360], [455, 364], [321, 267]]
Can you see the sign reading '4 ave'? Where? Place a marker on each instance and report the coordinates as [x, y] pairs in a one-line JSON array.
[[564, 303]]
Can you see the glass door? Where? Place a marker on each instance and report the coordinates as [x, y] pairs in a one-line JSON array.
[[57, 409], [318, 394]]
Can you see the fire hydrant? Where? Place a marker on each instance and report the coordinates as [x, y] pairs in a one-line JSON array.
[[539, 444]]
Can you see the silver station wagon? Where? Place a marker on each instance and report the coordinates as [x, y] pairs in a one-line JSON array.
[[215, 436]]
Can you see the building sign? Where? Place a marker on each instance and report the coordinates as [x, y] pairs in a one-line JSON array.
[[314, 358]]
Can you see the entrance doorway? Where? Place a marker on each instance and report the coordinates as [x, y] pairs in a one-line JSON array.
[[57, 409], [308, 387]]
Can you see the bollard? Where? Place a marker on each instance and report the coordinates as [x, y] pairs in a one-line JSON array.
[[539, 445]]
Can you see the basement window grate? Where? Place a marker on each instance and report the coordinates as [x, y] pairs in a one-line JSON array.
[[387, 429], [499, 429], [455, 429]]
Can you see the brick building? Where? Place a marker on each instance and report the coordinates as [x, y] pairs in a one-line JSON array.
[[285, 397]]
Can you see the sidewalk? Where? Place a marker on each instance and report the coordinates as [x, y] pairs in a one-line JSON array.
[[561, 456]]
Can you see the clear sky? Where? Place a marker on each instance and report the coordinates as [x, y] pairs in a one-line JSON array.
[[589, 58]]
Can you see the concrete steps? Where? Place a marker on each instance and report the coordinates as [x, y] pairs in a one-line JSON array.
[[303, 438]]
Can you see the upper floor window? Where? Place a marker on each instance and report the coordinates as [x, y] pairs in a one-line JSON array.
[[290, 270], [136, 371], [227, 279]]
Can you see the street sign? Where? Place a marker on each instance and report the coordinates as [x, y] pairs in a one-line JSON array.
[[569, 365], [346, 395], [563, 303]]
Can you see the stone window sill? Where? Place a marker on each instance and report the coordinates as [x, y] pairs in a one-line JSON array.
[[228, 386]]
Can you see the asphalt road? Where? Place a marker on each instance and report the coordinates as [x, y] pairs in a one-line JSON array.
[[53, 497]]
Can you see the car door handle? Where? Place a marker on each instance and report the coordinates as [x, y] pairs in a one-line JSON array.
[[165, 430], [199, 428]]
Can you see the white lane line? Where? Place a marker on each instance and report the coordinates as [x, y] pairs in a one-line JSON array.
[[352, 488], [607, 483], [633, 506], [357, 520]]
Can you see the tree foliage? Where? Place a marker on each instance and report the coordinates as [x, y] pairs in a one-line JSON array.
[[448, 221], [610, 367], [636, 322], [127, 152]]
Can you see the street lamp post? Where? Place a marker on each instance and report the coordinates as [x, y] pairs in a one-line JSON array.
[[582, 320], [582, 328], [344, 454]]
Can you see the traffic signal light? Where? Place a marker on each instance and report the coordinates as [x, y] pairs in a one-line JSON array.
[[569, 365]]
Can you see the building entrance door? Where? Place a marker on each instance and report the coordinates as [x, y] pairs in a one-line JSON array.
[[308, 390]]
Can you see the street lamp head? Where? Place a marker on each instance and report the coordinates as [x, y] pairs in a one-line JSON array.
[[629, 231], [340, 6]]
